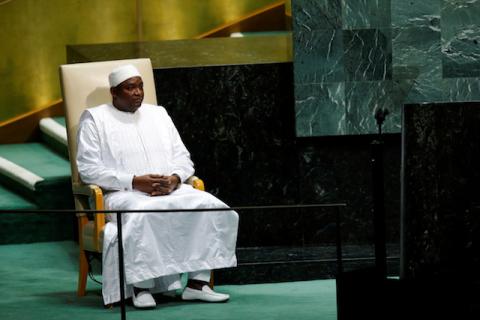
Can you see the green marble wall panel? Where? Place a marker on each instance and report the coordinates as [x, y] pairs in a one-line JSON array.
[[416, 53], [320, 109], [422, 90], [442, 90], [386, 53], [368, 54], [363, 98], [366, 14], [317, 62], [461, 89], [461, 38], [317, 14], [416, 13]]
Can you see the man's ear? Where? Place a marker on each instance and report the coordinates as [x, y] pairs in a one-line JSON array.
[[113, 91]]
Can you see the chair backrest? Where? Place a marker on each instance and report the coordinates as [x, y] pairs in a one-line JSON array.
[[85, 85]]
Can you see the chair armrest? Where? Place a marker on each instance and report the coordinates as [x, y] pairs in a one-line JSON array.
[[196, 182], [89, 190], [94, 193]]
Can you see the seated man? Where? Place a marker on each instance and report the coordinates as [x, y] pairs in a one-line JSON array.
[[134, 152]]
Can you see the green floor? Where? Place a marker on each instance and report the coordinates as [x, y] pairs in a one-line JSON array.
[[38, 281]]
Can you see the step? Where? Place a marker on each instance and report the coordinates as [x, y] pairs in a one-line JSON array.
[[54, 134], [31, 227], [13, 201], [36, 227], [37, 172]]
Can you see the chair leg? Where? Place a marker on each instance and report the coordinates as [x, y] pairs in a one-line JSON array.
[[82, 274]]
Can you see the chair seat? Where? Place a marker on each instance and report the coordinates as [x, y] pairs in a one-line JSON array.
[[88, 237]]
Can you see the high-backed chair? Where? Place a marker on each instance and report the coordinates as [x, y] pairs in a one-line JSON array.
[[86, 85]]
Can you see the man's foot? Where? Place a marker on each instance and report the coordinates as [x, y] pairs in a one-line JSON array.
[[143, 299], [204, 294]]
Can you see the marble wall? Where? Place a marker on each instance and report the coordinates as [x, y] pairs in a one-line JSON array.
[[238, 123], [354, 56], [441, 183]]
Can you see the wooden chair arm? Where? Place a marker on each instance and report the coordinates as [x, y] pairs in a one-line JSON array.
[[196, 182], [95, 194], [89, 190]]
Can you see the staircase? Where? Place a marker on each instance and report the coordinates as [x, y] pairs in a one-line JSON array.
[[36, 175]]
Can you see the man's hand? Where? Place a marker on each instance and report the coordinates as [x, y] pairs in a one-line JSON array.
[[155, 184]]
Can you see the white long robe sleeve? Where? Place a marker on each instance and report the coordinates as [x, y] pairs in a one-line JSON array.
[[89, 159]]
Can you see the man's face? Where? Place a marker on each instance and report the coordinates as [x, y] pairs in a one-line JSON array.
[[128, 95]]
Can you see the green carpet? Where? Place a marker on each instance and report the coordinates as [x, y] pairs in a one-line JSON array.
[[38, 281], [37, 158], [13, 201], [54, 192]]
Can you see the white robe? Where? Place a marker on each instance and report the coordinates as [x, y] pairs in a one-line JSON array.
[[113, 146]]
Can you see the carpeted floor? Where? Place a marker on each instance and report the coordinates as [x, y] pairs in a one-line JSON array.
[[38, 281]]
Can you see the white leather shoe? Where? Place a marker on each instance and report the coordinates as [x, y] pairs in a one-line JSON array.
[[143, 300], [206, 294]]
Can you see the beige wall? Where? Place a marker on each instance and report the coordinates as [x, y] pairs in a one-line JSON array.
[[34, 33]]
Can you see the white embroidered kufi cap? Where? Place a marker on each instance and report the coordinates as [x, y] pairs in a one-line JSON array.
[[122, 73]]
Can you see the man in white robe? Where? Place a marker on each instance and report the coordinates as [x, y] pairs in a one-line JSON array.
[[134, 152]]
